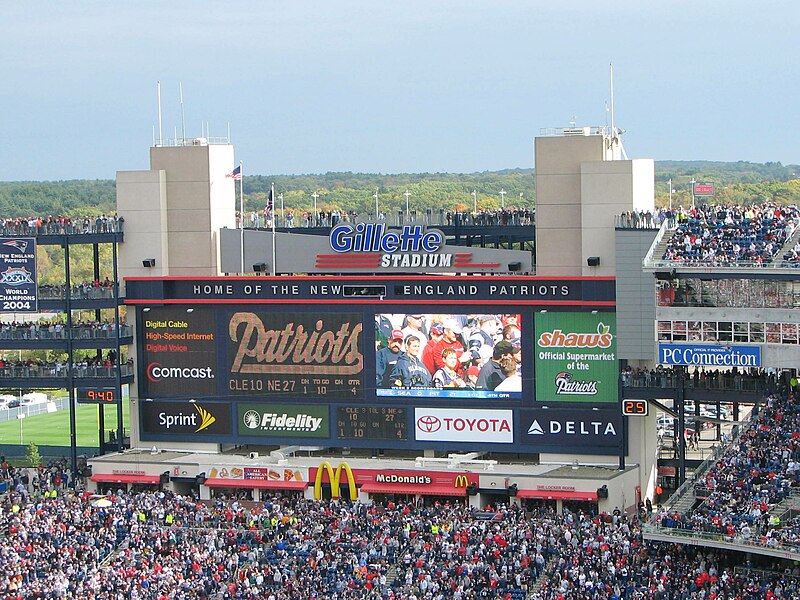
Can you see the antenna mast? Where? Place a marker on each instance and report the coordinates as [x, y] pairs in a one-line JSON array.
[[160, 134], [611, 79], [183, 119]]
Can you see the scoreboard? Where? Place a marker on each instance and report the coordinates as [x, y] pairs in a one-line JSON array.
[[380, 362], [371, 423]]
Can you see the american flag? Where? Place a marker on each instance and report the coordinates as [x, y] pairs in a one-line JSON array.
[[236, 173]]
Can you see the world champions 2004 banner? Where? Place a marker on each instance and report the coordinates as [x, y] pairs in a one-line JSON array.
[[576, 357], [18, 275]]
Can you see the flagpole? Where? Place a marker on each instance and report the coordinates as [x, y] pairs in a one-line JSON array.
[[272, 209], [241, 217]]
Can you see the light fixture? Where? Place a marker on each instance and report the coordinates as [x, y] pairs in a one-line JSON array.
[[260, 267], [593, 261], [149, 262], [189, 310]]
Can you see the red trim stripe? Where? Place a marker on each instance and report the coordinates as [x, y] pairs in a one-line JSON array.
[[343, 300]]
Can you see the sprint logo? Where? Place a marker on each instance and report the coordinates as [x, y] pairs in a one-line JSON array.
[[206, 418], [181, 419]]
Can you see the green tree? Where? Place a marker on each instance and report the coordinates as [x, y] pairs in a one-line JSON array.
[[32, 455]]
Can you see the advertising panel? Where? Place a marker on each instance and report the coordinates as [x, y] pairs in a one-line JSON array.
[[463, 425], [295, 354], [576, 357], [179, 352], [709, 356], [18, 275], [437, 355], [283, 420], [570, 428], [703, 189], [256, 473], [187, 419]]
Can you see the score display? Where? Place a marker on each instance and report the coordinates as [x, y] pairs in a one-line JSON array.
[[96, 395], [634, 408], [371, 423]]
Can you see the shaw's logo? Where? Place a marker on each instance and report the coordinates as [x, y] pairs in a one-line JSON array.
[[16, 277], [155, 372], [565, 385], [21, 245], [559, 339]]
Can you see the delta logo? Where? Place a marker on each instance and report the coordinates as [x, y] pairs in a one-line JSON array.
[[558, 339]]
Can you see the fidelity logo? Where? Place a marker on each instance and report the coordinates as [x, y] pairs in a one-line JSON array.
[[271, 421], [167, 420]]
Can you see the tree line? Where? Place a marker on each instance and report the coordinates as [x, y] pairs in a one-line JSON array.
[[735, 182]]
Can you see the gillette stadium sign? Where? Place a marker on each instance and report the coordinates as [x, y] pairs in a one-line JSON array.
[[366, 247]]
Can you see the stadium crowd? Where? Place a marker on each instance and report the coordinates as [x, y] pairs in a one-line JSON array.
[[743, 492], [82, 367], [60, 543], [86, 290], [57, 330], [731, 235], [61, 225]]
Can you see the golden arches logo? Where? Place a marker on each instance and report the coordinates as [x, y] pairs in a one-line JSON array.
[[206, 418], [335, 479], [461, 481]]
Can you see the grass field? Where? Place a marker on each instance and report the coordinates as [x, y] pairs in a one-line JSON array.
[[53, 429]]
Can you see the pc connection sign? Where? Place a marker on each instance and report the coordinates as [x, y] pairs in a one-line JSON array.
[[698, 355]]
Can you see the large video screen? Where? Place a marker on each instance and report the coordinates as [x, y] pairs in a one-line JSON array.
[[433, 355], [178, 352], [576, 357], [295, 354]]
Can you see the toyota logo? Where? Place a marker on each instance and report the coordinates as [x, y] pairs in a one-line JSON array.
[[429, 424]]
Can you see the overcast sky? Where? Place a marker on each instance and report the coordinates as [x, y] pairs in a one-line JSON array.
[[392, 86]]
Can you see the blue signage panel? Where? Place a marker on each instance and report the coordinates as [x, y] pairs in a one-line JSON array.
[[595, 430], [18, 275], [699, 355]]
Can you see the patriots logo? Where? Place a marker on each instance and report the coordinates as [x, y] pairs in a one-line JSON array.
[[21, 245]]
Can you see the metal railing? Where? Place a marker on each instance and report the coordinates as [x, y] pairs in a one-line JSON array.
[[85, 292], [770, 547], [78, 227], [44, 332], [61, 371], [671, 380]]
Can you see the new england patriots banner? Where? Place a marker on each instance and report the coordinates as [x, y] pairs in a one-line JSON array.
[[18, 275]]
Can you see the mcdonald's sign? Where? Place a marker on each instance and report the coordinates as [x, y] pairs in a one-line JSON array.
[[334, 477], [460, 481]]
